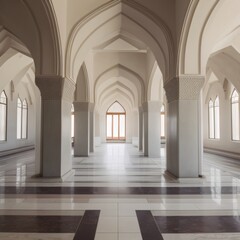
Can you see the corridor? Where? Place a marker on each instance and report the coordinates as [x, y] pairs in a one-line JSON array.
[[118, 194]]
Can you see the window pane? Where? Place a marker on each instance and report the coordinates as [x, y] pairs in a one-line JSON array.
[[19, 119], [122, 126], [211, 120], [217, 118], [115, 126], [163, 109], [217, 123], [3, 121], [109, 126], [72, 126], [24, 123], [162, 125], [235, 121]]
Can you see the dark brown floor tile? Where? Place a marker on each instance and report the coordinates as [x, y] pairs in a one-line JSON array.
[[39, 224], [198, 224], [88, 226], [148, 227], [119, 190]]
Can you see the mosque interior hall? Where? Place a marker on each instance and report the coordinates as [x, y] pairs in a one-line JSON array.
[[119, 119]]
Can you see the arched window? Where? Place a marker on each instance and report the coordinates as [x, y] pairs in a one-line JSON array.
[[116, 122], [22, 119], [72, 121], [163, 121], [235, 115], [211, 119], [214, 118], [3, 116], [217, 118], [19, 118]]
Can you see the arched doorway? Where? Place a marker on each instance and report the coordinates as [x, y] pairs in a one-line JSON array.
[[116, 122]]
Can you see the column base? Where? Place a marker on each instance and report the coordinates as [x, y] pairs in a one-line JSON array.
[[198, 179], [63, 178]]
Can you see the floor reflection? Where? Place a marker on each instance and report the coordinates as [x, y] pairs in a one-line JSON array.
[[120, 182]]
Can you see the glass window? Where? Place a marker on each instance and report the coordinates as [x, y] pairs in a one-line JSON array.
[[217, 118], [72, 121], [3, 116], [163, 121], [122, 126], [211, 119], [116, 122], [235, 115], [24, 119], [115, 126], [19, 118], [109, 126]]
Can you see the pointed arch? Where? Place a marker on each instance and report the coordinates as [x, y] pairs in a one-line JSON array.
[[116, 71], [35, 24], [105, 23], [155, 84], [208, 29], [189, 55], [82, 85], [116, 107]]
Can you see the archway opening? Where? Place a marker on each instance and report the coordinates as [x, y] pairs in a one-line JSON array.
[[116, 122]]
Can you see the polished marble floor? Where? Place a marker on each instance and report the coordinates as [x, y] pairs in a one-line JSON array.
[[118, 194]]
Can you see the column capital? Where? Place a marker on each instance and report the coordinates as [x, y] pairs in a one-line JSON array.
[[185, 87], [55, 87], [83, 106]]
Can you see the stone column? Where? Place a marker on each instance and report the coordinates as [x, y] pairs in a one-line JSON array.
[[56, 101], [92, 126], [140, 129], [102, 124], [97, 137], [152, 128], [81, 129], [184, 146]]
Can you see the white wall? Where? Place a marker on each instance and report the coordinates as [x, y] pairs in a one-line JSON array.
[[12, 142], [224, 143]]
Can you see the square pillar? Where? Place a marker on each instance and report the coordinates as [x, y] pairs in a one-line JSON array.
[[56, 99], [81, 128], [152, 128], [140, 129], [92, 127], [184, 142]]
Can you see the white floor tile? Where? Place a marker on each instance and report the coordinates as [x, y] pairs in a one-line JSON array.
[[106, 236], [130, 236], [128, 225], [107, 225]]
